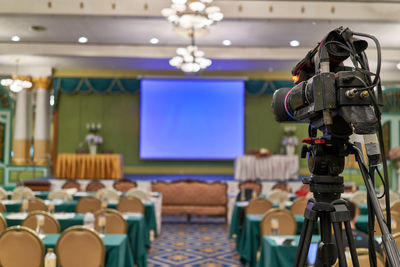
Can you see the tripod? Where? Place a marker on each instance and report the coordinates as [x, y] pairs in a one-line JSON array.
[[326, 162]]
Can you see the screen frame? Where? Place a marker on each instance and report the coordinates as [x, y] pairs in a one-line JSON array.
[[191, 79]]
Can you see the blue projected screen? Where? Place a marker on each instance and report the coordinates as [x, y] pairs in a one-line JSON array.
[[191, 119]]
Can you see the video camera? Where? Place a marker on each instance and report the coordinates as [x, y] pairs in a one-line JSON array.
[[336, 99]]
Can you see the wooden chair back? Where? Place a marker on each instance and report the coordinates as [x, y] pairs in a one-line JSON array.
[[299, 205], [359, 197], [278, 196], [3, 224], [284, 220], [123, 185], [35, 204], [108, 194], [60, 194], [51, 225], [3, 193], [22, 192], [395, 223], [136, 192], [256, 186], [80, 246], [94, 186], [71, 184], [2, 208], [20, 246], [258, 206], [114, 222], [88, 204], [130, 204]]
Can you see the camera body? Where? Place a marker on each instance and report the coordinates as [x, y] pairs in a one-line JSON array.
[[334, 99]]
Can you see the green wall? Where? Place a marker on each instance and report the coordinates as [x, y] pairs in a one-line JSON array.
[[119, 115]]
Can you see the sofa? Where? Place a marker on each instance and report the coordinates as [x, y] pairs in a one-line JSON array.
[[192, 197]]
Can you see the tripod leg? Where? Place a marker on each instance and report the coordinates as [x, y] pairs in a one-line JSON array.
[[352, 245], [339, 243], [310, 217]]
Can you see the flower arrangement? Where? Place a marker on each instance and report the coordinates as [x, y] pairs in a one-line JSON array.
[[289, 141], [93, 138], [394, 154]]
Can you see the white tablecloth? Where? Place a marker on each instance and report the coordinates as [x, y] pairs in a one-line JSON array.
[[275, 167]]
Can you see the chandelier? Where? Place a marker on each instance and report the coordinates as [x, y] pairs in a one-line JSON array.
[[190, 59], [16, 84], [192, 14]]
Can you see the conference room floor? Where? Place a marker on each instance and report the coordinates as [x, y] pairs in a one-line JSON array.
[[203, 242]]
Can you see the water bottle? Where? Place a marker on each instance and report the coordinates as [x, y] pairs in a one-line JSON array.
[[88, 220], [274, 226], [50, 260]]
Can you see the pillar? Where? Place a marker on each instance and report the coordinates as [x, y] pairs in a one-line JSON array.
[[41, 154], [23, 126]]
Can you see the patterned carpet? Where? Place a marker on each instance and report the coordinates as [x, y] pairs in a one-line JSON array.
[[203, 242]]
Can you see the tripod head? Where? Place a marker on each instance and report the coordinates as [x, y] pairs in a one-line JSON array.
[[325, 162]]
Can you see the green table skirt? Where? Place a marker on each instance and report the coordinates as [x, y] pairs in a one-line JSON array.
[[248, 239], [273, 254], [118, 253], [70, 206], [137, 233]]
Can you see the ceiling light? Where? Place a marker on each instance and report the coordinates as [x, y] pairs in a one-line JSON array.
[[398, 66], [192, 15], [15, 38], [226, 42], [16, 85], [82, 39], [294, 43], [154, 40], [190, 59]]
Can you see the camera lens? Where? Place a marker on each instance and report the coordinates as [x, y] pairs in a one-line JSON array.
[[278, 105]]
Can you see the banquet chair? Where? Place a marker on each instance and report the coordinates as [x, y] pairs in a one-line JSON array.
[[20, 246], [80, 246], [393, 198], [299, 205], [255, 185], [35, 204], [2, 208], [286, 222], [60, 194], [115, 223], [395, 206], [278, 196], [94, 186], [258, 206], [136, 192], [71, 184], [88, 204], [3, 224], [123, 185], [363, 258], [284, 186], [3, 193], [395, 216], [108, 194], [51, 225], [359, 197], [130, 204], [246, 194], [22, 192]]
